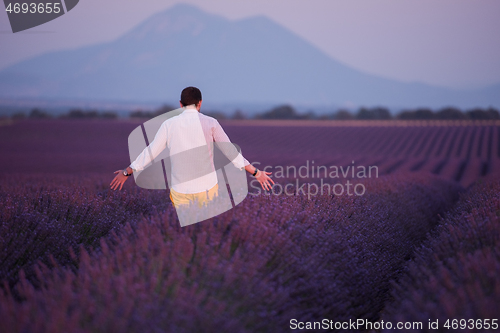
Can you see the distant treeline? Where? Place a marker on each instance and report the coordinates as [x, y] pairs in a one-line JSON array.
[[37, 113], [151, 114], [288, 112], [381, 113]]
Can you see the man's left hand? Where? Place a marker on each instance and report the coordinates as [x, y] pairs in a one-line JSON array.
[[119, 179]]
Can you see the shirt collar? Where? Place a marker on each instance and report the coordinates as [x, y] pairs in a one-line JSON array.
[[190, 110]]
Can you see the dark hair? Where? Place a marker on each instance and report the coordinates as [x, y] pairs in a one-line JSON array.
[[190, 95]]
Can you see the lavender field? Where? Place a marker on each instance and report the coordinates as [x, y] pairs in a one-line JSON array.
[[421, 243]]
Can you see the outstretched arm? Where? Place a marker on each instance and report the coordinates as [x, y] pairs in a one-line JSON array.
[[149, 153], [239, 161]]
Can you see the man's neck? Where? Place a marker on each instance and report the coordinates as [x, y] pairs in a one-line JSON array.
[[192, 106]]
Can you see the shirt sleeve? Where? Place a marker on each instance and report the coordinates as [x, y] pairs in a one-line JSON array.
[[149, 153], [230, 151]]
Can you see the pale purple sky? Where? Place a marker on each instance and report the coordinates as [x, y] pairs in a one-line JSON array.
[[453, 43]]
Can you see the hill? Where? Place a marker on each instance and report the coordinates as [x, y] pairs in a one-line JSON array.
[[251, 60]]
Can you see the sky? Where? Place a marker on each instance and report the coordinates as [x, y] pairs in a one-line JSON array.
[[450, 43]]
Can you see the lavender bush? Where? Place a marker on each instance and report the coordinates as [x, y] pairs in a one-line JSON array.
[[77, 257], [455, 273], [252, 269], [459, 153], [49, 213]]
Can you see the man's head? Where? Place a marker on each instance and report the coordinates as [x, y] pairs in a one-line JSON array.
[[189, 96]]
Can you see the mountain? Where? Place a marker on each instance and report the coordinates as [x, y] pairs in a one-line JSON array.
[[251, 60]]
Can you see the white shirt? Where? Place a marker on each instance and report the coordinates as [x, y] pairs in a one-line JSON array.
[[189, 139]]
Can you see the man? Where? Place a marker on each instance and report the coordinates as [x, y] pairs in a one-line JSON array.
[[189, 137]]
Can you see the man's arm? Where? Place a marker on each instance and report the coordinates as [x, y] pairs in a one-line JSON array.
[[149, 153], [240, 162], [228, 148]]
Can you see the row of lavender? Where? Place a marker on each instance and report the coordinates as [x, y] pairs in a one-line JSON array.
[[42, 216], [271, 259], [459, 153], [454, 275]]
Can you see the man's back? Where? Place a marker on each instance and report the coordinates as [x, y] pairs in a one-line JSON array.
[[188, 139]]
